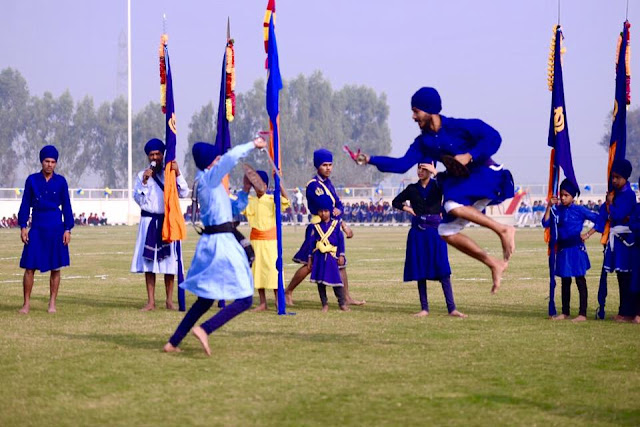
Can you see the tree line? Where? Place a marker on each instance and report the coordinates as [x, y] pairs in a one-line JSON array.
[[93, 139]]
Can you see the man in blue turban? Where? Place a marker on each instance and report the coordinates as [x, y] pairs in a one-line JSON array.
[[46, 243], [318, 186], [472, 182], [151, 255], [220, 268]]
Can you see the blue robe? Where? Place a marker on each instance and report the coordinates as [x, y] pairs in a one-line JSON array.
[[487, 180], [219, 269], [325, 269], [317, 187], [618, 254], [572, 259], [426, 255], [43, 199]]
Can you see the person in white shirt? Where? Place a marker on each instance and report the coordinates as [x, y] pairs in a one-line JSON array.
[[151, 255]]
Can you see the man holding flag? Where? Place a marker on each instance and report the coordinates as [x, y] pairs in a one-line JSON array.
[[152, 255]]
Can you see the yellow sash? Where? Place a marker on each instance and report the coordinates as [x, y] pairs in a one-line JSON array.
[[323, 244]]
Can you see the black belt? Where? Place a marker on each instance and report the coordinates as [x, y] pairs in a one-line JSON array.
[[226, 227]]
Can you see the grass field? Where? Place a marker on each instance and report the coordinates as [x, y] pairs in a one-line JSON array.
[[98, 360]]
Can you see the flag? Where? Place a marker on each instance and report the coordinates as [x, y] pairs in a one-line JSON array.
[[227, 101], [173, 228], [618, 141], [274, 84], [560, 157]]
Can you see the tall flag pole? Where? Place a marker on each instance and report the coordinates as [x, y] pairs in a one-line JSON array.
[[560, 145], [227, 101], [618, 141], [173, 228], [274, 85]]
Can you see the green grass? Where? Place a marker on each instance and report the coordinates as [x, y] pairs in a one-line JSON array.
[[98, 360]]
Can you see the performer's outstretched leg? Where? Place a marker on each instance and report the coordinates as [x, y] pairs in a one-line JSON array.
[[466, 245], [507, 233], [196, 311], [203, 331], [297, 278]]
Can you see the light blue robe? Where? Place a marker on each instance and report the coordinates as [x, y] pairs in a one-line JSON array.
[[219, 269]]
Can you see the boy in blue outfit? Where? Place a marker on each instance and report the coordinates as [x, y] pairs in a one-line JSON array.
[[327, 255], [572, 259]]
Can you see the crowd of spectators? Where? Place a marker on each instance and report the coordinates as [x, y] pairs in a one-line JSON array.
[[531, 214], [10, 222], [92, 219]]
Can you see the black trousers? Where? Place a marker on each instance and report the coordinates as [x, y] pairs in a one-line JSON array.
[[337, 290], [626, 298], [566, 295]]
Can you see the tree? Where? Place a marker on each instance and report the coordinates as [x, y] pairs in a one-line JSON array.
[[14, 98], [148, 123], [200, 130], [633, 142], [109, 157]]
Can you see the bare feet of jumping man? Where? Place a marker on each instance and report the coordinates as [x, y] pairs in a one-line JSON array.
[[203, 338], [496, 274], [508, 240]]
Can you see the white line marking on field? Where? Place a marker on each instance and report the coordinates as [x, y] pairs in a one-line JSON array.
[[45, 278], [8, 258]]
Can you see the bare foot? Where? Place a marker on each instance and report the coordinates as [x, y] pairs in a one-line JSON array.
[[261, 307], [52, 309], [288, 298], [423, 313], [344, 307], [168, 348], [508, 240], [352, 301], [169, 305], [325, 308], [203, 338], [622, 319], [579, 319], [150, 306], [560, 317], [636, 319], [496, 274], [456, 313], [24, 309]]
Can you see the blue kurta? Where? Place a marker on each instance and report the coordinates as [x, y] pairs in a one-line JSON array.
[[43, 199], [325, 269], [572, 259], [426, 255], [219, 269], [487, 180], [618, 252]]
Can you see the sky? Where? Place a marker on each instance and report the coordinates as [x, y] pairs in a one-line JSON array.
[[488, 59]]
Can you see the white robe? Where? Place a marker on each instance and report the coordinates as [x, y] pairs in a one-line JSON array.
[[150, 198]]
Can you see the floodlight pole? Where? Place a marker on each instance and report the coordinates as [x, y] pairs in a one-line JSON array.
[[129, 120]]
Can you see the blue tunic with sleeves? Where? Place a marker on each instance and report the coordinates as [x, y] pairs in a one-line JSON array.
[[317, 187], [219, 269], [325, 269], [426, 254], [487, 179], [618, 252], [572, 259], [43, 199]]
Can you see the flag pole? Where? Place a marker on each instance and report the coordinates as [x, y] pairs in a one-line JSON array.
[[129, 122]]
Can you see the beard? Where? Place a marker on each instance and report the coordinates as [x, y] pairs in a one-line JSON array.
[[158, 168]]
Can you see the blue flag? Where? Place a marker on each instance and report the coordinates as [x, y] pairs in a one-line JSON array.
[[223, 137], [170, 117], [558, 126]]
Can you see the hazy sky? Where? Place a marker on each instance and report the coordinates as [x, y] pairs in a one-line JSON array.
[[488, 59]]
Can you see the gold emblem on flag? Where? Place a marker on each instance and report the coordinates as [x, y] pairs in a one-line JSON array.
[[172, 123], [615, 109], [558, 120]]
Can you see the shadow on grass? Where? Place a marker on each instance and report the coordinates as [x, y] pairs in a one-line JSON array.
[[101, 302], [135, 341], [316, 337]]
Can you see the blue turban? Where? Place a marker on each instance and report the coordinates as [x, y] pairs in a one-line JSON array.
[[204, 154], [154, 145], [322, 156], [48, 152], [569, 187], [264, 176], [427, 99], [622, 167], [324, 202]]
